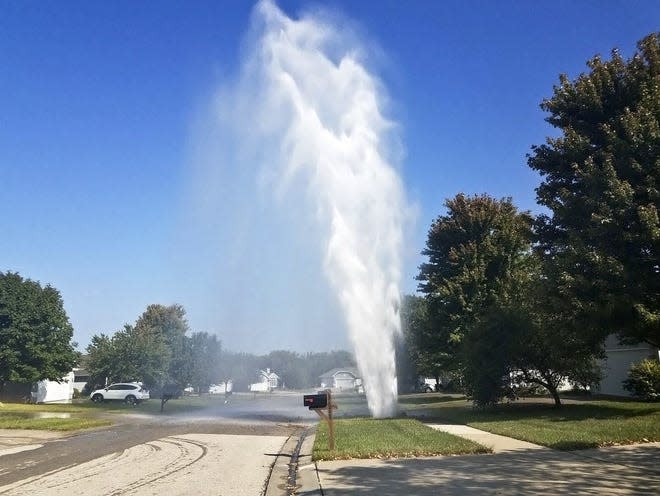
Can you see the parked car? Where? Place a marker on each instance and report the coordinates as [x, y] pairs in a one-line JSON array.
[[130, 393]]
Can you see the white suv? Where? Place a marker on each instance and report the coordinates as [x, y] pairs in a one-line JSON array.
[[128, 392]]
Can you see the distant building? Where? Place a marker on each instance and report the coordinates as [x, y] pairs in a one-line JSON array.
[[80, 379], [266, 381], [341, 379], [617, 362], [53, 391]]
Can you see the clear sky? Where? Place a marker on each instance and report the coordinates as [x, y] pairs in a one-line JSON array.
[[98, 110]]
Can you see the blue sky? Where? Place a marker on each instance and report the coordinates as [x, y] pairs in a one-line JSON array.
[[98, 101]]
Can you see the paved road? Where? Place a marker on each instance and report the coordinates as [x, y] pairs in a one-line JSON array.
[[226, 449]]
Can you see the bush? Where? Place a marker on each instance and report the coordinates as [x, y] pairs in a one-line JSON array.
[[644, 380], [76, 393]]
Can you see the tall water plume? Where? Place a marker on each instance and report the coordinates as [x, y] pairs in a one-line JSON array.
[[312, 114]]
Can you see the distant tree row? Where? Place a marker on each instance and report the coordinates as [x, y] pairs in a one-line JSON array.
[[36, 343], [159, 349], [511, 298], [156, 350], [296, 371]]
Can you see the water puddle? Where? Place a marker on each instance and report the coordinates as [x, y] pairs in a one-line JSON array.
[[46, 415]]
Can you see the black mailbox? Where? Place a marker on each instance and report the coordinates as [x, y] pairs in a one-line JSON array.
[[315, 400]]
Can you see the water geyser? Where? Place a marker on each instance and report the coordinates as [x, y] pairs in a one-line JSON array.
[[316, 115]]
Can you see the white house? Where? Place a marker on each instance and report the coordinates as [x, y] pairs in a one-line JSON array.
[[341, 379], [617, 362], [266, 381]]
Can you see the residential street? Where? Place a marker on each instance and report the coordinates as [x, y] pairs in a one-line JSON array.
[[227, 449]]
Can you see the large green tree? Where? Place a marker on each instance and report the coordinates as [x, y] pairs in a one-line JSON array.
[[475, 252], [472, 251], [169, 324], [131, 354], [601, 184], [529, 339], [155, 350], [35, 332]]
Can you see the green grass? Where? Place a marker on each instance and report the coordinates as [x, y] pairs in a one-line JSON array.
[[66, 417], [177, 406], [576, 425], [13, 421], [32, 408], [388, 438], [85, 414]]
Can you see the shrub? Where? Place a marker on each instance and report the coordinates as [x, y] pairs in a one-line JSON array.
[[76, 393], [644, 380]]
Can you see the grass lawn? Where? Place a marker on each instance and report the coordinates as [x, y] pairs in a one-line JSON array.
[[85, 414], [177, 406], [48, 417], [576, 425], [388, 438]]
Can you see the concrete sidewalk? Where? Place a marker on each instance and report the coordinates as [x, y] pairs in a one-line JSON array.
[[499, 444], [514, 469]]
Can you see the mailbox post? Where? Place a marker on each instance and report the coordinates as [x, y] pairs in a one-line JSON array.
[[319, 403]]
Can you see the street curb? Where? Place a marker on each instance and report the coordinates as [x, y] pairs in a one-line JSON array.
[[306, 479]]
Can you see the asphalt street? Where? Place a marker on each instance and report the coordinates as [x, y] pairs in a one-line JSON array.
[[225, 449]]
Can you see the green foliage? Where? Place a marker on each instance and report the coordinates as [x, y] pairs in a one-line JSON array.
[[600, 181], [473, 252], [157, 351], [290, 366], [421, 340], [165, 327], [35, 333], [477, 253], [492, 308], [548, 345], [644, 380], [488, 354], [154, 351], [129, 355], [204, 360]]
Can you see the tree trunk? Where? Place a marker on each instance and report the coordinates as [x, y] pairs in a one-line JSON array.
[[555, 396]]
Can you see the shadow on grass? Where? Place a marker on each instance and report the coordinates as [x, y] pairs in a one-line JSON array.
[[521, 411], [428, 398]]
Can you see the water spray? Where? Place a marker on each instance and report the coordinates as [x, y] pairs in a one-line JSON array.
[[316, 114]]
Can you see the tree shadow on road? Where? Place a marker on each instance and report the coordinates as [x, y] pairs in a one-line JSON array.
[[614, 470]]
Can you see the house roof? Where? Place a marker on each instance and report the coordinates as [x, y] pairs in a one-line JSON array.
[[270, 375], [351, 370]]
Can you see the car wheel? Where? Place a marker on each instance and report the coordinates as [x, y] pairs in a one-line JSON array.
[[130, 400], [97, 398]]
